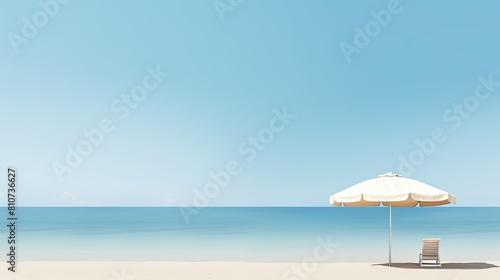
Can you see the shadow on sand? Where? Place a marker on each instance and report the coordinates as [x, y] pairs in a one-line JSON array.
[[466, 265]]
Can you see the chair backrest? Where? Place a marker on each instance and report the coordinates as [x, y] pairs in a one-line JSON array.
[[430, 246]]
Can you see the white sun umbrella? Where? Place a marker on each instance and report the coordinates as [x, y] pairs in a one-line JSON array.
[[391, 190]]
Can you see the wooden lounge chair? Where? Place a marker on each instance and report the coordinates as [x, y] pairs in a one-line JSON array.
[[430, 252]]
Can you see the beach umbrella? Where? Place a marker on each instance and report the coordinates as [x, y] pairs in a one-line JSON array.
[[391, 190]]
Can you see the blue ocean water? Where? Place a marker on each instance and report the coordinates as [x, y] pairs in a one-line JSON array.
[[263, 234]]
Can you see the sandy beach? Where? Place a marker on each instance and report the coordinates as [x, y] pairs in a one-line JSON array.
[[242, 271]]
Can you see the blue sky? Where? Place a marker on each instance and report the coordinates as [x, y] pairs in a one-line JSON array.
[[230, 72]]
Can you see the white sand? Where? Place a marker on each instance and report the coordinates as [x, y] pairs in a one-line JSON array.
[[242, 271]]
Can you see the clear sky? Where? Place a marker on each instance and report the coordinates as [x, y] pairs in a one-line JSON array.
[[329, 92]]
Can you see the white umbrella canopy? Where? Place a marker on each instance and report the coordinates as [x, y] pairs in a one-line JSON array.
[[391, 190]]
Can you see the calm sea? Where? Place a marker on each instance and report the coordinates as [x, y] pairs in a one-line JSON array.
[[264, 234]]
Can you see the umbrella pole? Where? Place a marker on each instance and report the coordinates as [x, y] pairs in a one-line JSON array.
[[390, 231]]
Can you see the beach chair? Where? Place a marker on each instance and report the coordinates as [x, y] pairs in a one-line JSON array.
[[430, 252]]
